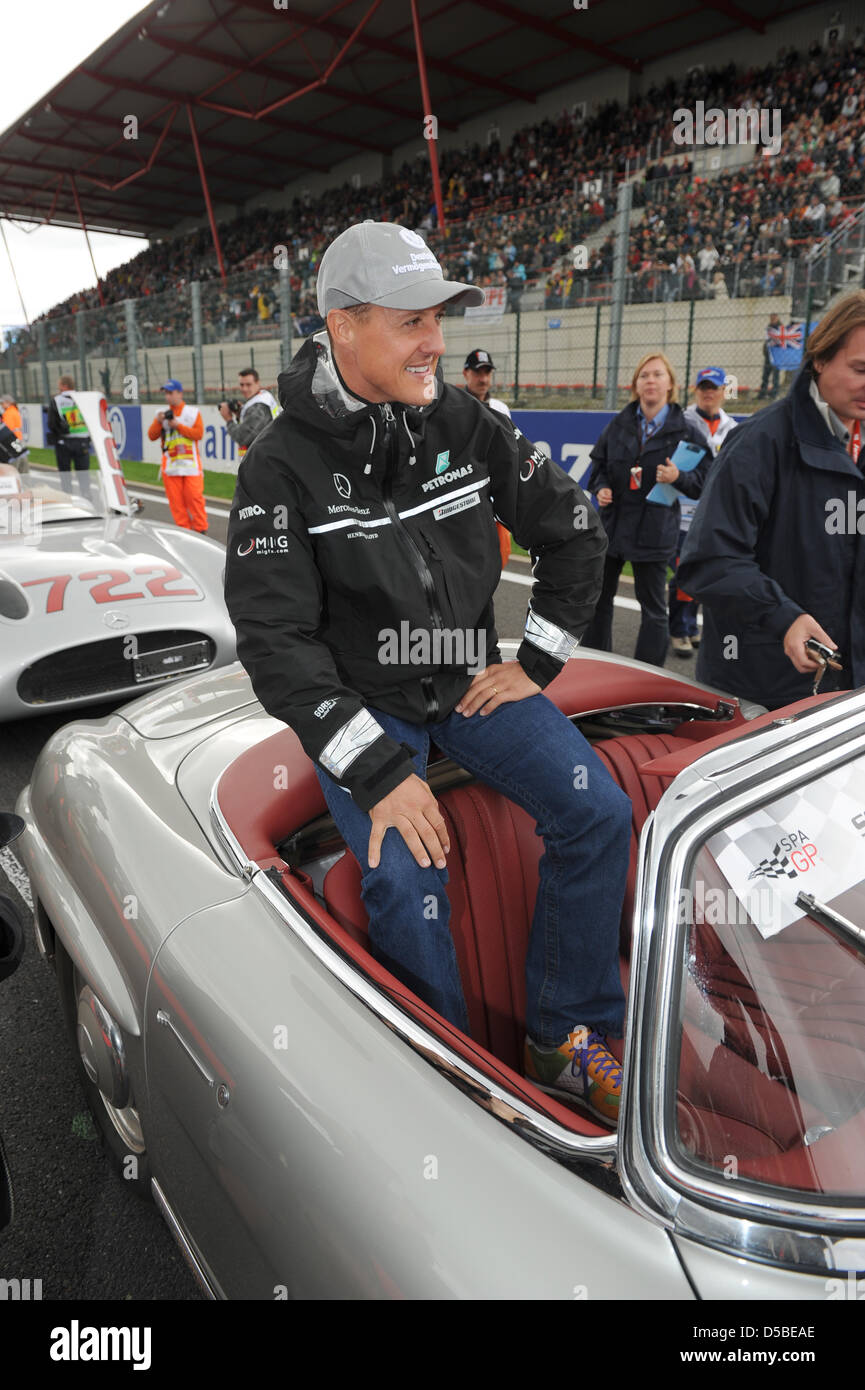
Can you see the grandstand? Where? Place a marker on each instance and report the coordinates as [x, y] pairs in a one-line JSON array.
[[718, 236]]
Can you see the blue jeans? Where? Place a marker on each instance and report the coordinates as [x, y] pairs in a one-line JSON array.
[[531, 753]]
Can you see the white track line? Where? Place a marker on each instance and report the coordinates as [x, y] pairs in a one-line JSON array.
[[524, 579], [16, 875]]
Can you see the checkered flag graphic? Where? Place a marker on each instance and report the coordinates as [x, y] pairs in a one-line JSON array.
[[775, 865]]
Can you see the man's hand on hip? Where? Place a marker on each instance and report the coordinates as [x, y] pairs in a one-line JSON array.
[[795, 638], [411, 809], [497, 685]]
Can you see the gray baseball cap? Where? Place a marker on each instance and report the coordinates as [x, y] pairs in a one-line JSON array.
[[383, 263]]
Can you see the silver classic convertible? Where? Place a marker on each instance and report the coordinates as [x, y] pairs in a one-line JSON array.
[[311, 1129]]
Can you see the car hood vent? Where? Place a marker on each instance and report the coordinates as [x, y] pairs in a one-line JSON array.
[[13, 600]]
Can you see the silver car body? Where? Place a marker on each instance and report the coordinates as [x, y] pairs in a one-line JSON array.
[[96, 602], [309, 1137]]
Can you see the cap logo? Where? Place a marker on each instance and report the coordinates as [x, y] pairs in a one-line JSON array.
[[411, 237]]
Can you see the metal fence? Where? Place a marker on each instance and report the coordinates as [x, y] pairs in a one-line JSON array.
[[568, 339]]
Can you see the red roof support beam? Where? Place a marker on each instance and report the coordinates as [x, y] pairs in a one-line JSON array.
[[213, 231], [472, 77], [112, 187], [736, 13], [87, 239], [320, 81], [427, 108], [560, 33]]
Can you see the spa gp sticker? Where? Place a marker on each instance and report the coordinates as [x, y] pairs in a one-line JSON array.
[[808, 840]]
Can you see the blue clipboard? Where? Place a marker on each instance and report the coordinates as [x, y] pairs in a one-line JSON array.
[[686, 458]]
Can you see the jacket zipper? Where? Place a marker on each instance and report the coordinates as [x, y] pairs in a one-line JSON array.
[[420, 565]]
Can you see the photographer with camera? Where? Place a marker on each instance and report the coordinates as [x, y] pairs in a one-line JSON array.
[[247, 418], [180, 427]]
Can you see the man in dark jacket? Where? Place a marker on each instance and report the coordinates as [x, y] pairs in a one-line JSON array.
[[362, 563], [776, 550]]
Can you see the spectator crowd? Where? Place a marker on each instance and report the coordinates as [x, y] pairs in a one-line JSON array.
[[514, 214]]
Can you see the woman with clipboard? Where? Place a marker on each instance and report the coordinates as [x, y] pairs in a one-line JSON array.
[[633, 454]]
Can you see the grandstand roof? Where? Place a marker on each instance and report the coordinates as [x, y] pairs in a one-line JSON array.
[[277, 89]]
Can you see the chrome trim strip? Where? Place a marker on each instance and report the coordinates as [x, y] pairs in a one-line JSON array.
[[165, 1019], [506, 1107], [726, 1214], [205, 1280], [671, 703], [227, 839]]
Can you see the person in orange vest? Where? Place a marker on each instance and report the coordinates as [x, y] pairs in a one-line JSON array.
[[180, 427], [10, 416]]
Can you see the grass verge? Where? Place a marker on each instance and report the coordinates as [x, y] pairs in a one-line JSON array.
[[215, 484]]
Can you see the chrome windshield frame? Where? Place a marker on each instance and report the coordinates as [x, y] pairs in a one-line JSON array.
[[735, 1215]]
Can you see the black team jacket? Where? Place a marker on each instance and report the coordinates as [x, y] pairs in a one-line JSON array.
[[363, 556]]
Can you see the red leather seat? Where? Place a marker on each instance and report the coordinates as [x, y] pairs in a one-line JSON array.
[[494, 861], [493, 881]]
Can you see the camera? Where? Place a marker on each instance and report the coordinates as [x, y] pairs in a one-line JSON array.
[[235, 406]]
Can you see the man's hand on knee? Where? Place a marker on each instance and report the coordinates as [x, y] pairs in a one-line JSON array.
[[411, 809], [496, 685]]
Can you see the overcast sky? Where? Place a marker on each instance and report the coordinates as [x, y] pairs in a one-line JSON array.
[[51, 38]]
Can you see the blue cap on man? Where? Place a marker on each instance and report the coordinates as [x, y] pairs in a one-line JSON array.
[[714, 376], [172, 384]]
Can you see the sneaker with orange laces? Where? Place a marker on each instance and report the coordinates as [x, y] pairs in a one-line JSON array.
[[583, 1069]]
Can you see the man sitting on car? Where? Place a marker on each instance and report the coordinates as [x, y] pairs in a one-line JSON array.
[[365, 512]]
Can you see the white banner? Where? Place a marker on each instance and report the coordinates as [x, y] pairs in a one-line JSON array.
[[492, 308]]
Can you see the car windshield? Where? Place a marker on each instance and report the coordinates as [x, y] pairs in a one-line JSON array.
[[28, 502], [771, 1037]]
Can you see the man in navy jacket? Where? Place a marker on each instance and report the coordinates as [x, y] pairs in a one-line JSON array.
[[776, 550]]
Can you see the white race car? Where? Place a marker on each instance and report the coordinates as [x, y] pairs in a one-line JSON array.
[[95, 602]]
